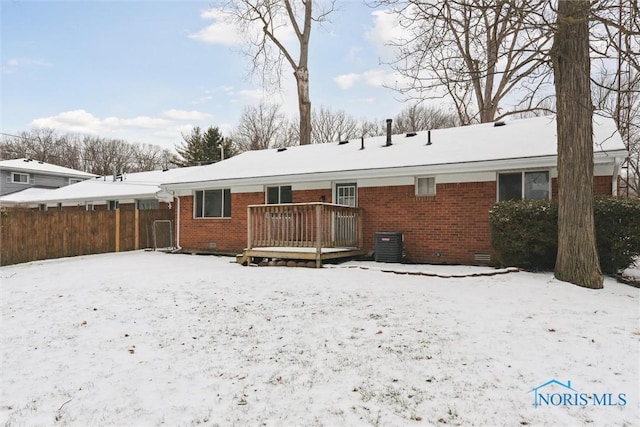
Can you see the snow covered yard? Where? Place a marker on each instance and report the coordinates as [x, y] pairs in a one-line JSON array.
[[150, 339]]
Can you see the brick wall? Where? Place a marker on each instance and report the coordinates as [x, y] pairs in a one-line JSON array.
[[454, 222], [229, 234], [601, 186]]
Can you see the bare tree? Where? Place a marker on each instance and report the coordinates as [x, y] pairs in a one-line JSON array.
[[368, 128], [262, 127], [624, 107], [418, 117], [332, 125], [473, 52], [577, 261], [147, 157], [105, 156], [269, 50], [616, 52]]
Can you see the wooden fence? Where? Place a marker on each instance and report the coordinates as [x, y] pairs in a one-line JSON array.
[[29, 235]]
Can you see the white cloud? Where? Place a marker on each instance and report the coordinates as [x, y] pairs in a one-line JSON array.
[[164, 131], [224, 31], [12, 65], [373, 78], [74, 121], [184, 115], [221, 31], [82, 121], [354, 54], [253, 95], [385, 30], [345, 81]]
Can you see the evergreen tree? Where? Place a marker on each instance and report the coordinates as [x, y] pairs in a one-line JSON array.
[[203, 148]]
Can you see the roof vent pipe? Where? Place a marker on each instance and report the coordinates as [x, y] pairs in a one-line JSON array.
[[429, 137], [389, 121]]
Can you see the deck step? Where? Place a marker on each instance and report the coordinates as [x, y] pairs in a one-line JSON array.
[[243, 258]]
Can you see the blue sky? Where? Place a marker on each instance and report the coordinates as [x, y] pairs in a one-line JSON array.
[[146, 71]]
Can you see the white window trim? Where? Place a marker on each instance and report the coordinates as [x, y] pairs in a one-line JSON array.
[[210, 217], [522, 172], [434, 186], [13, 180], [266, 192], [116, 204], [336, 184]]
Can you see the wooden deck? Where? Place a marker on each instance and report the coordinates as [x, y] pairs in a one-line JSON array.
[[304, 231]]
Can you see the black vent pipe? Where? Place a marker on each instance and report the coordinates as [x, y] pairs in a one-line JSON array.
[[389, 121]]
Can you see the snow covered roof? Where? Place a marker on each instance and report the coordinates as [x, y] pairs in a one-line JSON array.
[[483, 147], [139, 185], [24, 196], [35, 166]]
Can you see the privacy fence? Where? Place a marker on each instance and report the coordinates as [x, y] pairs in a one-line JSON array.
[[30, 235]]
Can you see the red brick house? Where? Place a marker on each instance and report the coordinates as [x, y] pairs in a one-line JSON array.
[[435, 187]]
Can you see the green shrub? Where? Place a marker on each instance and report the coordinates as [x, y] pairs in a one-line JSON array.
[[617, 232], [525, 232]]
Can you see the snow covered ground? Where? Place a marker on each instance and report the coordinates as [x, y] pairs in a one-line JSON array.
[[144, 338]]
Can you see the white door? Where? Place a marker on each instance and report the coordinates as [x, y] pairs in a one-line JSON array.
[[347, 194], [344, 224]]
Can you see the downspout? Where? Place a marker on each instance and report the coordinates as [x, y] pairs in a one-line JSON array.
[[178, 247], [614, 178]]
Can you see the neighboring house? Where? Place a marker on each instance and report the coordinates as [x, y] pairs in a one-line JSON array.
[[436, 188], [125, 191], [19, 174]]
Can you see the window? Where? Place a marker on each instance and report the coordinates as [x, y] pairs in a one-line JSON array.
[[113, 205], [42, 207], [74, 180], [281, 194], [213, 204], [20, 178], [347, 194], [90, 207], [425, 186], [523, 185], [148, 204]]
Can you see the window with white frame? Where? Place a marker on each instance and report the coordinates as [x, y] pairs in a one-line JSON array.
[[42, 207], [534, 185], [19, 178], [89, 207], [425, 186], [212, 203], [279, 194], [113, 205]]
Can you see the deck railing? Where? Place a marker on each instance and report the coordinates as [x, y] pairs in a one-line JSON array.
[[304, 225]]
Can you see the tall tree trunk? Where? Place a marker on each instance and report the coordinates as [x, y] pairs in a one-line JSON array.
[[304, 104], [577, 260]]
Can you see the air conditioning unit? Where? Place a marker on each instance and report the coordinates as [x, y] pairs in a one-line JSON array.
[[389, 246]]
